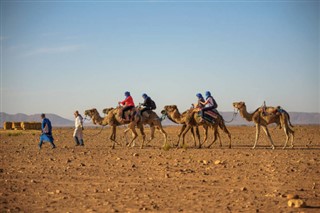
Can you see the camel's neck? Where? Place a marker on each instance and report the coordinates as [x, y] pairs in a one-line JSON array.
[[97, 119], [176, 117], [244, 113]]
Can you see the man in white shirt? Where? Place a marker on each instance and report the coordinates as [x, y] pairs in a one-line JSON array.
[[77, 134]]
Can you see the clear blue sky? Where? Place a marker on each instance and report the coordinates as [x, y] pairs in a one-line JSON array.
[[59, 56]]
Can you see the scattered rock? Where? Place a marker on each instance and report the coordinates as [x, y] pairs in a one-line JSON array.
[[217, 162], [296, 203], [243, 189], [292, 196], [58, 191], [135, 154]]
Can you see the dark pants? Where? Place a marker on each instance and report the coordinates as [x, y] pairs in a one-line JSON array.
[[126, 108], [144, 109], [206, 109]]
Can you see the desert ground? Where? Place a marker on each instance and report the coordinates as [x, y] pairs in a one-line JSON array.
[[96, 178]]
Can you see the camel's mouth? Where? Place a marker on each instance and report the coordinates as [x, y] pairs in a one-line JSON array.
[[237, 105], [163, 112], [88, 113], [169, 108]]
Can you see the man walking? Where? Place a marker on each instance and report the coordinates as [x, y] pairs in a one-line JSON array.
[[46, 129], [77, 134]]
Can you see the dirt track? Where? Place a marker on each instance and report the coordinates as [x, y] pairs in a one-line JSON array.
[[95, 178]]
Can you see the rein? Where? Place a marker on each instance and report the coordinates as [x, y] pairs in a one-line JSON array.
[[85, 118], [95, 133], [235, 112]]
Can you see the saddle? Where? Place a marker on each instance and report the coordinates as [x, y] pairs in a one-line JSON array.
[[210, 115], [267, 111], [128, 115]]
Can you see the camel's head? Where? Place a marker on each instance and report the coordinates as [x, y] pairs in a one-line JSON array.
[[238, 105], [107, 110], [170, 108], [90, 112]]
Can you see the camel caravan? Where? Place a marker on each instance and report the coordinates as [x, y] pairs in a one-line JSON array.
[[203, 114]]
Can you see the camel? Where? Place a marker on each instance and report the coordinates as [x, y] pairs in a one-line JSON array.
[[113, 121], [263, 117], [191, 119], [148, 118], [183, 119]]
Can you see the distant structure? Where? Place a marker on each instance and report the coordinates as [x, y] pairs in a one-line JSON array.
[[22, 125]]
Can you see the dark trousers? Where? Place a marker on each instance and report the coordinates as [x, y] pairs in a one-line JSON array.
[[126, 108], [144, 109], [206, 109]]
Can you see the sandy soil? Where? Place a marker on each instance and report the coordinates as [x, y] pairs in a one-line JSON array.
[[95, 178]]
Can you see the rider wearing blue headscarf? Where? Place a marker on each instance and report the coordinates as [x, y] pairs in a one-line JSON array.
[[200, 100], [127, 103], [210, 103], [147, 103]]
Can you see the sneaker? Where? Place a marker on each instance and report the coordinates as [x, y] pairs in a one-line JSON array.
[[54, 147]]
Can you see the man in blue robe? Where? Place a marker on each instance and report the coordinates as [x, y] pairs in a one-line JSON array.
[[46, 129]]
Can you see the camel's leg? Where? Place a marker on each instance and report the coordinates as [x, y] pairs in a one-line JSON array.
[[289, 132], [198, 136], [269, 136], [165, 135], [184, 133], [225, 130], [180, 133], [132, 143], [143, 135], [125, 134], [113, 136], [215, 136], [292, 136], [152, 130], [257, 135], [134, 134], [205, 131], [193, 137], [287, 136]]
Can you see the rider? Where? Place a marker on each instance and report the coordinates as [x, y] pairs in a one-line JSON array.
[[210, 103], [200, 101], [148, 104], [127, 103]]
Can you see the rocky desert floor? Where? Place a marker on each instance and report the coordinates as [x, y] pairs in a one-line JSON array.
[[96, 178]]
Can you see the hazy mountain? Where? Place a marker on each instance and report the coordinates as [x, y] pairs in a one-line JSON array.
[[58, 121]]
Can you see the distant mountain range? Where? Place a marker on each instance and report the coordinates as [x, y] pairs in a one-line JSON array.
[[56, 120], [300, 118]]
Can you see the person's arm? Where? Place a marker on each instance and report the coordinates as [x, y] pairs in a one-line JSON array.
[[205, 102], [43, 125], [123, 102]]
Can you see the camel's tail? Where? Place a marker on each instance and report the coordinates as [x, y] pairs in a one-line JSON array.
[[288, 116]]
